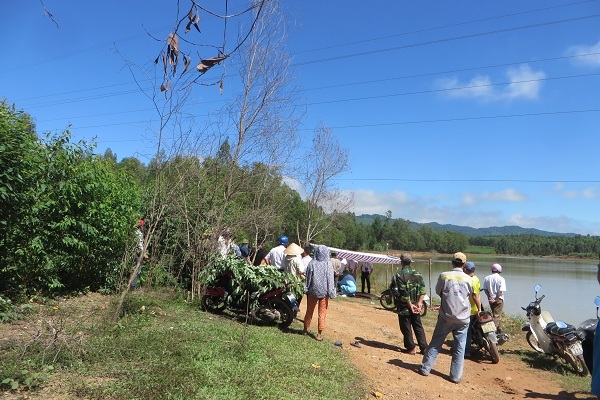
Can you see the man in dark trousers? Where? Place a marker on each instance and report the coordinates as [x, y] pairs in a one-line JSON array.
[[411, 292]]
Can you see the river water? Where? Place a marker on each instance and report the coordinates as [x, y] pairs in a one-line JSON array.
[[570, 286]]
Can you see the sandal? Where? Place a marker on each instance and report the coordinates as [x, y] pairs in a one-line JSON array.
[[319, 337]]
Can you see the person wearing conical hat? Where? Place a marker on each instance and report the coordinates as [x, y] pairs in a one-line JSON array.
[[292, 262]]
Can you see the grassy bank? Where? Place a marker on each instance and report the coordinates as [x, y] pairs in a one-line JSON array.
[[164, 348]]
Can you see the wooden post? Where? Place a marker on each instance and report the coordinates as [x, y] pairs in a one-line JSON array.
[[430, 293]]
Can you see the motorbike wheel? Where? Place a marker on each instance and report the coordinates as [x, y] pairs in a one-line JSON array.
[[387, 300], [577, 363], [212, 304], [493, 350], [286, 312], [533, 342]]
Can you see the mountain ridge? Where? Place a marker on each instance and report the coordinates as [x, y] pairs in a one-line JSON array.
[[467, 230]]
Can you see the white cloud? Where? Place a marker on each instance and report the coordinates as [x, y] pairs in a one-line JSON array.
[[294, 184], [523, 83], [468, 210], [510, 195], [589, 193], [477, 87], [592, 60]]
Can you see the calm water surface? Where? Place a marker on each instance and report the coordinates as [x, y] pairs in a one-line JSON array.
[[570, 286]]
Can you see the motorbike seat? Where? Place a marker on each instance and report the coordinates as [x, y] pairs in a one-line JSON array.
[[553, 329]]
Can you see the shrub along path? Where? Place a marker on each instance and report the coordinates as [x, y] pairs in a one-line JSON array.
[[391, 372]]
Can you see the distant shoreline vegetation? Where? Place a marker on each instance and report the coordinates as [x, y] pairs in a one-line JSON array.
[[392, 234]]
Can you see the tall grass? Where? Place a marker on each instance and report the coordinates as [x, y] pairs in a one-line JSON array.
[[163, 348]]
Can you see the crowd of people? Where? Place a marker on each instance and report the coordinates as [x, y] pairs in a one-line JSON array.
[[325, 276]]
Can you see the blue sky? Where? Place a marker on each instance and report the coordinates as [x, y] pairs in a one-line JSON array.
[[464, 112]]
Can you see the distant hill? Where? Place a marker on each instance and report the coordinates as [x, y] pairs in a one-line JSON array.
[[368, 219]]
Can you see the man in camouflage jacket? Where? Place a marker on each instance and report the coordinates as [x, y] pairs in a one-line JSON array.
[[409, 302]]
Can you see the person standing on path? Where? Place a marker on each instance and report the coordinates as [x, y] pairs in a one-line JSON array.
[[495, 286], [365, 275], [319, 288], [455, 289], [337, 267], [411, 292], [292, 263], [475, 301]]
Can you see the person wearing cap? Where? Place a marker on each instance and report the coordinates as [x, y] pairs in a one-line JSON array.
[[411, 292], [292, 263], [455, 289], [245, 249], [475, 301], [495, 286]]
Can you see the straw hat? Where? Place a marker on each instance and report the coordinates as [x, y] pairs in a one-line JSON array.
[[293, 249]]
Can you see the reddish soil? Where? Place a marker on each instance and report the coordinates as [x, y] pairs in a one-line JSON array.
[[391, 373]]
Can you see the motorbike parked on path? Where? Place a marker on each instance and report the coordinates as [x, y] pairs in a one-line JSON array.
[[555, 338], [275, 305], [587, 330], [483, 335], [386, 299]]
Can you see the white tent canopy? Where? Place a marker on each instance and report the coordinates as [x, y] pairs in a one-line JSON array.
[[358, 256]]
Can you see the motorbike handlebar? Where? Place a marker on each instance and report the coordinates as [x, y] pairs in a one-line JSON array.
[[541, 298]]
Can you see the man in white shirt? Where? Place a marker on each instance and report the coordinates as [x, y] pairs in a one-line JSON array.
[[495, 286], [306, 258], [275, 257]]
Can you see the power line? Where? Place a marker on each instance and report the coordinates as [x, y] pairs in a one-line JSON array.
[[352, 84], [468, 180], [451, 39], [443, 27], [429, 121]]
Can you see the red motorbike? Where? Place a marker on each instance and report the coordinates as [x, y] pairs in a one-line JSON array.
[[275, 305]]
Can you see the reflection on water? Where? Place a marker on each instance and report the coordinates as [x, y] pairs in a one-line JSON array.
[[570, 286]]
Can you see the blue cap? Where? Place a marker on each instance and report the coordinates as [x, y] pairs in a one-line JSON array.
[[470, 266]]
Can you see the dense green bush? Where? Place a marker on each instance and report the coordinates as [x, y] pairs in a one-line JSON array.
[[67, 214]]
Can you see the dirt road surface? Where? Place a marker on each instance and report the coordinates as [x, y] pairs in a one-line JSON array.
[[391, 373]]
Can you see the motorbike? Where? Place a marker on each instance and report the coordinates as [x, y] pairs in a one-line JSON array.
[[483, 335], [386, 299], [555, 338], [587, 330], [275, 305]]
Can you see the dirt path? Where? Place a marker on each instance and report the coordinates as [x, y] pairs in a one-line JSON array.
[[391, 372]]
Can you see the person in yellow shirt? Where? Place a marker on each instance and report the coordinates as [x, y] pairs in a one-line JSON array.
[[475, 301]]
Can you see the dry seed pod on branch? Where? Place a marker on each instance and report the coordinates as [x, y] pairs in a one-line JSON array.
[[194, 18], [207, 64]]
